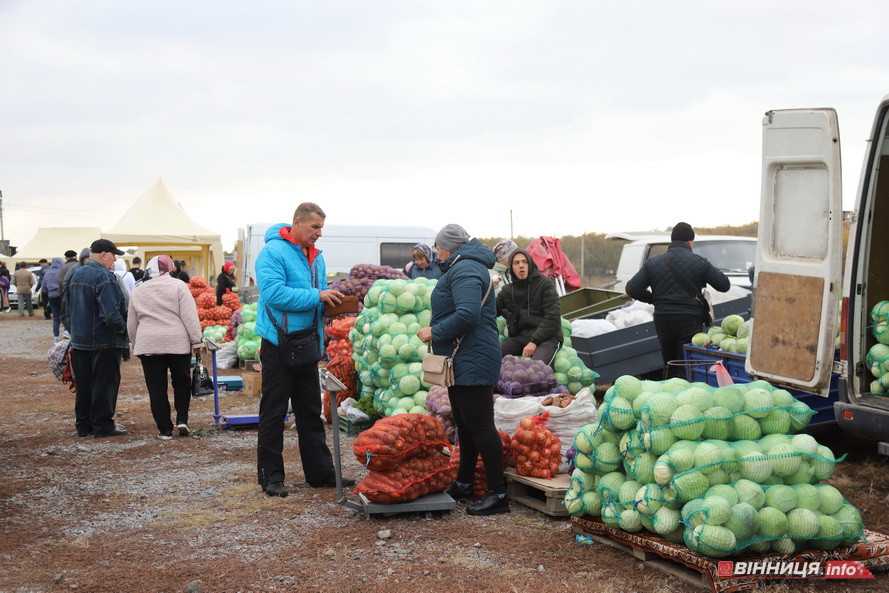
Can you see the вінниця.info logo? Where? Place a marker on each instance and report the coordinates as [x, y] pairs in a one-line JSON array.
[[794, 569]]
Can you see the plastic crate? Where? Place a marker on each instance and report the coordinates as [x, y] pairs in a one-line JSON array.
[[735, 365], [352, 428]]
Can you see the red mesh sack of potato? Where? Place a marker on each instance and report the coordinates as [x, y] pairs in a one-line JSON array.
[[480, 481], [205, 301], [197, 282], [231, 300], [412, 479], [537, 451], [339, 329], [394, 440]]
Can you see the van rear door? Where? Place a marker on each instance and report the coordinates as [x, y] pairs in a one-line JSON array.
[[799, 259]]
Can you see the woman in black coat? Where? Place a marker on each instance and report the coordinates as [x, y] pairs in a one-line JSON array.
[[225, 282]]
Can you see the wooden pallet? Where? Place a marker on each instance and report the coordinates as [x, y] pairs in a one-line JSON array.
[[696, 579], [546, 496]]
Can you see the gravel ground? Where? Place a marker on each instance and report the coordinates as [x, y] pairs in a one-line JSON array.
[[137, 514]]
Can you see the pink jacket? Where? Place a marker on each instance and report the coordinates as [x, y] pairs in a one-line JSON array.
[[163, 318]]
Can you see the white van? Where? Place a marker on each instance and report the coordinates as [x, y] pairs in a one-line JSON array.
[[732, 255], [800, 284], [343, 246]]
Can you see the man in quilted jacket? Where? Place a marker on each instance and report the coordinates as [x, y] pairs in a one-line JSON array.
[[673, 282]]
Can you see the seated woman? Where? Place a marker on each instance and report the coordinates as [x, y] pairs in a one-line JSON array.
[[424, 264], [530, 305]]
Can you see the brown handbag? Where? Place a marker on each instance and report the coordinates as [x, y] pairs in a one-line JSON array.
[[439, 369]]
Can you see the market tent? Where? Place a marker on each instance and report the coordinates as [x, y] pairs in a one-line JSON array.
[[50, 242], [156, 223]]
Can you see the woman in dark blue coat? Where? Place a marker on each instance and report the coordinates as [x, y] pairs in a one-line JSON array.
[[464, 314]]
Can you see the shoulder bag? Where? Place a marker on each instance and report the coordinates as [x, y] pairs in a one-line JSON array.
[[439, 369]]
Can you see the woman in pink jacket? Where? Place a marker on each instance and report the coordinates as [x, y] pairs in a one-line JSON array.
[[164, 328]]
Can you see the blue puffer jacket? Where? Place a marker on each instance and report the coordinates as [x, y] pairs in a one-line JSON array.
[[285, 284], [457, 312]]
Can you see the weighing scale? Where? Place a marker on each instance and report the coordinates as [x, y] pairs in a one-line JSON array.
[[431, 503]]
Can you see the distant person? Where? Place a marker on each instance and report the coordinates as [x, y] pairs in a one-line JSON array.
[[96, 317], [54, 294], [503, 250], [163, 328], [180, 272], [127, 281], [66, 277], [292, 279], [5, 282], [225, 282], [70, 262], [42, 297], [423, 263], [530, 305], [673, 282], [464, 327], [136, 270], [23, 279]]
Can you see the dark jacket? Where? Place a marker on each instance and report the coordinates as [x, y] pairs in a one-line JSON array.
[[69, 265], [224, 283], [95, 311], [458, 313], [432, 271], [530, 306], [659, 281], [138, 274]]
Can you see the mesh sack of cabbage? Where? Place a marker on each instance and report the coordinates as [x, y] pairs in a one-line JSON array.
[[415, 477], [877, 361], [392, 441], [387, 352], [675, 410], [570, 370], [879, 315], [732, 518], [524, 376], [480, 481], [689, 468], [566, 332], [731, 335]]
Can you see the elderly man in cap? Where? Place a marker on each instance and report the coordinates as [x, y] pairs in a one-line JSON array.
[[673, 282], [96, 316]]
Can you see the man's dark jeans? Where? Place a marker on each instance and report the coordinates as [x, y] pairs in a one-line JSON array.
[[96, 381], [302, 389], [673, 332]]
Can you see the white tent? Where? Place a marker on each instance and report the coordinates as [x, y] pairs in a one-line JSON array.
[[50, 242], [157, 224]]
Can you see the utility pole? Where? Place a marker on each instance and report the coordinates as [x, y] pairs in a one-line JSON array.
[[511, 234], [582, 250], [2, 233]]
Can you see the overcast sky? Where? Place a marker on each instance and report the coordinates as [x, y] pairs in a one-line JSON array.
[[580, 116]]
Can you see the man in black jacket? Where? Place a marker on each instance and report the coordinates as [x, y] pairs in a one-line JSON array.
[[672, 282], [530, 305]]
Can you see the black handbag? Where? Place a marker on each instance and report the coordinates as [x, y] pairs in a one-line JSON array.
[[297, 349]]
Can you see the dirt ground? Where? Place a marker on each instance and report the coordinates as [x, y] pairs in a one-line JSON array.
[[137, 514]]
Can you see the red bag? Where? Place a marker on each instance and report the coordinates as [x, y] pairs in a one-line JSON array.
[[480, 482], [409, 481], [393, 440], [552, 262], [537, 450]]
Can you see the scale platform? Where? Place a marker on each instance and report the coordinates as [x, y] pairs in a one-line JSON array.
[[431, 503]]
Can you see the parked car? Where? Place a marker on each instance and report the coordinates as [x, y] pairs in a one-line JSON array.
[[13, 293]]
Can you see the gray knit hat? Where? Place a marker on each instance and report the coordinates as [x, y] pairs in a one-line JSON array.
[[451, 237]]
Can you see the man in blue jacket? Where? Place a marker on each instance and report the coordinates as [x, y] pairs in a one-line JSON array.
[[292, 279], [96, 317]]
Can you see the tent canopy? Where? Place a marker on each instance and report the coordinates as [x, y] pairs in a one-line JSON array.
[[50, 242], [157, 223]]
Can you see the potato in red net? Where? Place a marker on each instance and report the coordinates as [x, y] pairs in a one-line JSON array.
[[537, 450], [409, 481], [393, 440]]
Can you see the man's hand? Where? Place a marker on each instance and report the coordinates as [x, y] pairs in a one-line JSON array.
[[331, 297], [425, 334], [529, 350]]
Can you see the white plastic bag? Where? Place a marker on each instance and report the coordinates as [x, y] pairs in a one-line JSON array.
[[590, 328], [348, 410], [565, 422], [227, 356], [509, 412], [636, 313]]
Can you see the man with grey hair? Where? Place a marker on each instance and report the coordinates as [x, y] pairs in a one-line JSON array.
[[292, 279], [96, 317]]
